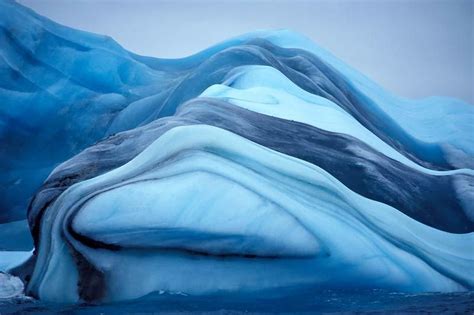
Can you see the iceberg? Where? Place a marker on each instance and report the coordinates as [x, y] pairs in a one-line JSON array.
[[260, 163]]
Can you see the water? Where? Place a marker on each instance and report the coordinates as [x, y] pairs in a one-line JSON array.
[[295, 302]]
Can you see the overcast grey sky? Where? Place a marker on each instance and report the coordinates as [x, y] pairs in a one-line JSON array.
[[413, 48]]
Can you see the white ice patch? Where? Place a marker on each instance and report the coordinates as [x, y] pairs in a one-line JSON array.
[[10, 286]]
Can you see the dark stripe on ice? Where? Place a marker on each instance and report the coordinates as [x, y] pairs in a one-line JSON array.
[[426, 198]]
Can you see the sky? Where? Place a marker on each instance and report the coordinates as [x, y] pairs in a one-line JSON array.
[[414, 48]]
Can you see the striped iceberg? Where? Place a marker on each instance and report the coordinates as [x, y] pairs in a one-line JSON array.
[[262, 162]]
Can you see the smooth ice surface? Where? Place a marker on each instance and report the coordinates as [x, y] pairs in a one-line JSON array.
[[12, 259], [268, 91]]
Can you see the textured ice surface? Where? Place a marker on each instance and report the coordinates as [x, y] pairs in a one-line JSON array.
[[10, 286], [260, 163]]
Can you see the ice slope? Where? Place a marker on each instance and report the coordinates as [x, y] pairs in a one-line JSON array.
[[55, 83], [78, 87], [262, 162]]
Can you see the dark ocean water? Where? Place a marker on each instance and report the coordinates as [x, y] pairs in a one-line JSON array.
[[297, 302]]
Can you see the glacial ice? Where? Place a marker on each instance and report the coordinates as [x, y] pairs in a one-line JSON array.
[[262, 162]]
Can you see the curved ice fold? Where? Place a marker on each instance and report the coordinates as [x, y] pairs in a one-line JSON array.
[[175, 214], [279, 97], [94, 240], [424, 197]]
